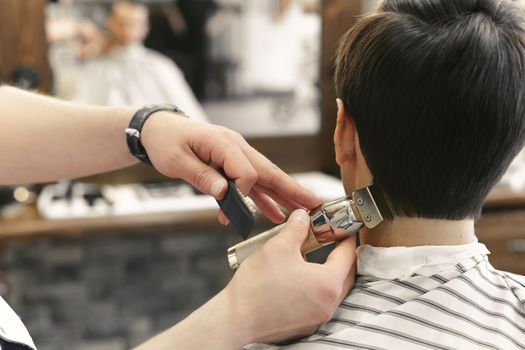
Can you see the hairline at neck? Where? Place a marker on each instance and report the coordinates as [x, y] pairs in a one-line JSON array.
[[410, 232]]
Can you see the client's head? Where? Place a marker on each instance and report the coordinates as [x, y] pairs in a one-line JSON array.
[[433, 103], [128, 22]]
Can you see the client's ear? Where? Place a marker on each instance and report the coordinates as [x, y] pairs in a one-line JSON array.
[[348, 155], [345, 137]]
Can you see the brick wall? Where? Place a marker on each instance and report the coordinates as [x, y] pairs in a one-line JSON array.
[[112, 293]]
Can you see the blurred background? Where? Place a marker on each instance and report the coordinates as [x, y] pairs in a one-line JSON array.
[[105, 262]]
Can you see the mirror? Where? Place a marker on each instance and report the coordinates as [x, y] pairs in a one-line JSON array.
[[264, 61], [252, 65]]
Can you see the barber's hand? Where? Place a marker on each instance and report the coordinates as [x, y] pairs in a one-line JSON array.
[[181, 148], [276, 295]]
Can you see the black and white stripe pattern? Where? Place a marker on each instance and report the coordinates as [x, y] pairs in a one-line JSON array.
[[472, 306]]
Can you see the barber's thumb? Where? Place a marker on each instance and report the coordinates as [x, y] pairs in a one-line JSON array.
[[297, 227]]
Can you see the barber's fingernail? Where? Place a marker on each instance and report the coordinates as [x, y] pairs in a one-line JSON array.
[[299, 215], [217, 187]]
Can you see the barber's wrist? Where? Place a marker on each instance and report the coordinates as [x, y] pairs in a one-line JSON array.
[[240, 320], [137, 124], [155, 123], [215, 325]]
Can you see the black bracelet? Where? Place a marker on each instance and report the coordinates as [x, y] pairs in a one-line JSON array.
[[135, 128]]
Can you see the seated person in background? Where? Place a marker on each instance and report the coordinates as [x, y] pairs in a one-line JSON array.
[[431, 109], [130, 74]]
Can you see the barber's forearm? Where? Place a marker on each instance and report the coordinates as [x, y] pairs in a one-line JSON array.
[[216, 325], [44, 139]]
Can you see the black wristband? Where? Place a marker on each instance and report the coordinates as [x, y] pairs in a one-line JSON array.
[[135, 128]]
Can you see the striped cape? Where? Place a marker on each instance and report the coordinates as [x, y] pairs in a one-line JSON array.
[[469, 306]]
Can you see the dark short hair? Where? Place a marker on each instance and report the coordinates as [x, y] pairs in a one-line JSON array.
[[437, 92]]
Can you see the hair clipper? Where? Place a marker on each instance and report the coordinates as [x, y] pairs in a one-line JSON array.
[[331, 222]]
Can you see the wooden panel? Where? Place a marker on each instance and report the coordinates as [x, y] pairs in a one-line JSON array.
[[292, 154], [338, 17], [502, 229], [23, 39], [503, 232], [500, 198]]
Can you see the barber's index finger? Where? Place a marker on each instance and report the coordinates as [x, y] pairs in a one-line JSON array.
[[237, 167]]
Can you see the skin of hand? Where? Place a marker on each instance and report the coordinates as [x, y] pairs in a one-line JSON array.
[[292, 296], [274, 296], [181, 148]]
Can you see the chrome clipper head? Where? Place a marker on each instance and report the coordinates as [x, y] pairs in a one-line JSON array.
[[331, 222]]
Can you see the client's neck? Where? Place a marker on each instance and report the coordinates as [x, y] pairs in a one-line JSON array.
[[409, 232]]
